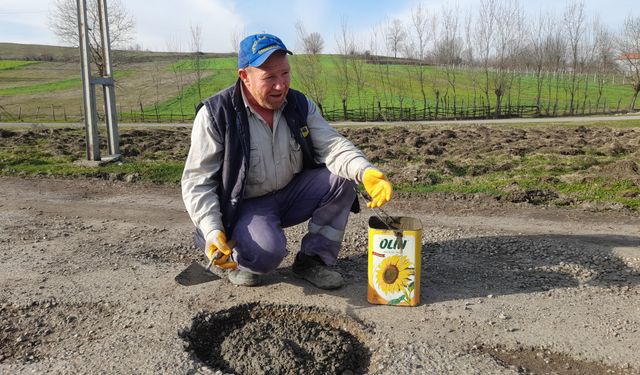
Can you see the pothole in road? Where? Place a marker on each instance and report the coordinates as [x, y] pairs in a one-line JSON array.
[[279, 339], [544, 361]]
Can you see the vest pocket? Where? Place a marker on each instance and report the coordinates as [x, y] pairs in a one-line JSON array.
[[256, 168]]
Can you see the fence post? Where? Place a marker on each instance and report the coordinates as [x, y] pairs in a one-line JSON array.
[[20, 113], [141, 112], [37, 112], [344, 109]]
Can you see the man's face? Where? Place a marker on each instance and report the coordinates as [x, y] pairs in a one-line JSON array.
[[268, 83]]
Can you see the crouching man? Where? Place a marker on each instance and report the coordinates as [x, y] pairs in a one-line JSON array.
[[262, 158]]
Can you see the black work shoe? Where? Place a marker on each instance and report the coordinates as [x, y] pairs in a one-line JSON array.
[[312, 269], [243, 278]]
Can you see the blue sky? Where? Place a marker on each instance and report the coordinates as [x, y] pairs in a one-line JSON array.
[[163, 23]]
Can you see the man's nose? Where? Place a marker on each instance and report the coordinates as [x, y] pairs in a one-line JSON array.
[[281, 84]]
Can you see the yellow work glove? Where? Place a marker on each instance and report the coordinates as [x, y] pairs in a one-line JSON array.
[[377, 186], [219, 250]]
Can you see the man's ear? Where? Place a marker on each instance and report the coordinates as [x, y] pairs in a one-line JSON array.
[[242, 73]]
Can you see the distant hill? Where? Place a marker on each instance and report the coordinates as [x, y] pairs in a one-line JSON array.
[[42, 52], [37, 52]]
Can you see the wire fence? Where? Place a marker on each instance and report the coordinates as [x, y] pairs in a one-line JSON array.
[[445, 109]]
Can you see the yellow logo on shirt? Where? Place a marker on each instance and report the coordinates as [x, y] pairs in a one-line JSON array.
[[305, 131]]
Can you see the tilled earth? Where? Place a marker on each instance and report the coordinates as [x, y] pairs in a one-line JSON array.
[[424, 155], [87, 273]]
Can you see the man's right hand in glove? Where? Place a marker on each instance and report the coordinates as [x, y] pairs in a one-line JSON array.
[[218, 249]]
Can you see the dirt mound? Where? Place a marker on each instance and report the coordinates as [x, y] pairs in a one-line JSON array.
[[273, 339], [7, 133], [621, 168], [533, 196]]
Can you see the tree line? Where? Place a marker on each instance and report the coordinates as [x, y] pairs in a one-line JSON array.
[[495, 44]]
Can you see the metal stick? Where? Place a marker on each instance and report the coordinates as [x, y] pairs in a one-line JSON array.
[[387, 220]]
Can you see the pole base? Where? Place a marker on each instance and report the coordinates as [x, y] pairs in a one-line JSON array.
[[97, 163]]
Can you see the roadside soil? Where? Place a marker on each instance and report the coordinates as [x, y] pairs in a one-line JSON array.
[[421, 155], [87, 285]]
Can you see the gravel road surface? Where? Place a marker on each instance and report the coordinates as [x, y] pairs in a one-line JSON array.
[[87, 285]]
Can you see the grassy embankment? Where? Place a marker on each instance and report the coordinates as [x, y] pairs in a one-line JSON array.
[[595, 173]]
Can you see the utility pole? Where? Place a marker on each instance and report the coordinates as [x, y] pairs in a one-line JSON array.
[[89, 86]]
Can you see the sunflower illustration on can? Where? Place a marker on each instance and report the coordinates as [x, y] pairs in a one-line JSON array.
[[394, 274]]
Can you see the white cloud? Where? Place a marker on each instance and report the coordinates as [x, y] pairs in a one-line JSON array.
[[166, 22], [25, 22]]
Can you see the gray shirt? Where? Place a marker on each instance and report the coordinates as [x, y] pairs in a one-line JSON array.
[[275, 159]]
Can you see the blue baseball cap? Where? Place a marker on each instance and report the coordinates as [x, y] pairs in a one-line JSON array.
[[256, 49]]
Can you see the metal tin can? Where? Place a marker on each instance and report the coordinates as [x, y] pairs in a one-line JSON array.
[[394, 261]]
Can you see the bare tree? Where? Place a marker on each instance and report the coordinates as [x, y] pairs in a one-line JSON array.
[[555, 51], [629, 49], [470, 57], [537, 36], [377, 39], [604, 46], [484, 36], [358, 63], [63, 22], [396, 36], [173, 44], [574, 25], [469, 48], [449, 49], [421, 36], [345, 46], [178, 76], [236, 36], [196, 47], [313, 43], [509, 36], [309, 70], [498, 37]]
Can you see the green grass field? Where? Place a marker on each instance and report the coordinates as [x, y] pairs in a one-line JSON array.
[[389, 84], [13, 64], [380, 89]]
